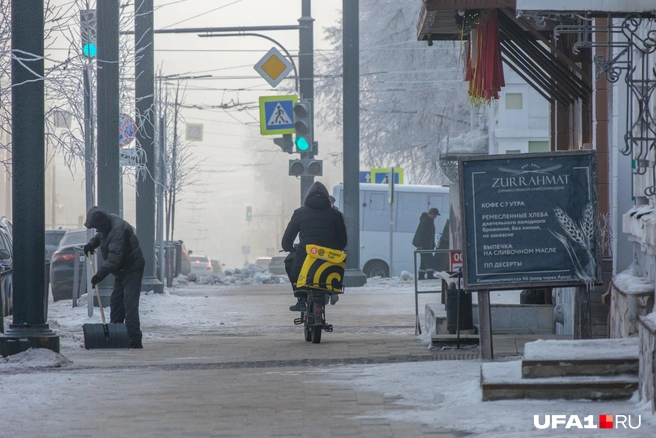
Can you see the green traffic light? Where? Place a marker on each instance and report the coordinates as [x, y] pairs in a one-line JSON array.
[[90, 50], [302, 144]]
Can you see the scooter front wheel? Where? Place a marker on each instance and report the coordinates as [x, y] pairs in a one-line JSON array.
[[316, 334]]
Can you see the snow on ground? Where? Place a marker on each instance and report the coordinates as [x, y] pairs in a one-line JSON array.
[[33, 358], [440, 394], [447, 395], [630, 284], [201, 307], [190, 307], [166, 315], [582, 349]]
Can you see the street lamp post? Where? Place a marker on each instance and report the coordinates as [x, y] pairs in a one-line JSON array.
[[351, 124], [29, 328], [145, 135]]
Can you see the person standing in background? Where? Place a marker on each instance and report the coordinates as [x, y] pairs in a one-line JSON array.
[[425, 240]]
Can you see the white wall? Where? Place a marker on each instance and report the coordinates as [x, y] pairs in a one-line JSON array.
[[514, 128], [621, 178]]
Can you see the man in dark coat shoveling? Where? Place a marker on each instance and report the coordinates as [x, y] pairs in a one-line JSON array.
[[315, 223], [123, 258]]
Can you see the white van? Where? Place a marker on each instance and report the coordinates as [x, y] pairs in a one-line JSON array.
[[410, 201]]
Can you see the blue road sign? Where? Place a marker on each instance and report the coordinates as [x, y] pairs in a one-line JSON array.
[[382, 178], [365, 176], [277, 115]]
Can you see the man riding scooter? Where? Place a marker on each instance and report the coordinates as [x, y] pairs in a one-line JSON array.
[[316, 223]]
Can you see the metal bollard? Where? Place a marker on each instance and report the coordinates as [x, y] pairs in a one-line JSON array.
[[75, 293], [170, 265], [177, 248]]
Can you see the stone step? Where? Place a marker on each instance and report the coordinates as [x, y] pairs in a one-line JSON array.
[[589, 357], [503, 381], [506, 318], [465, 338]]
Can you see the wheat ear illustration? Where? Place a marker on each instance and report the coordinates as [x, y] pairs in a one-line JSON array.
[[587, 226], [578, 268], [583, 236], [572, 230]]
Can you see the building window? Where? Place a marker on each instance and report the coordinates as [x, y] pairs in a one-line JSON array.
[[514, 101], [513, 151], [538, 146]]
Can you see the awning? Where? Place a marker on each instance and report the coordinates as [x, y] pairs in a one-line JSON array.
[[524, 49], [595, 7], [436, 19], [541, 64]]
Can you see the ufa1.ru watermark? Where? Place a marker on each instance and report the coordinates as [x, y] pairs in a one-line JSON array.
[[604, 421]]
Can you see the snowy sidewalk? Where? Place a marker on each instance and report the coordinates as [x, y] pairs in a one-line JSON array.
[[226, 361]]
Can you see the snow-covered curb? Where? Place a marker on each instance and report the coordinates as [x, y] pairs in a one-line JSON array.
[[446, 395], [34, 358]]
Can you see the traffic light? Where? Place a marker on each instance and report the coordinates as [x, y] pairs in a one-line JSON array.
[[88, 32], [285, 142], [305, 167], [303, 125], [314, 168], [249, 213], [296, 168]]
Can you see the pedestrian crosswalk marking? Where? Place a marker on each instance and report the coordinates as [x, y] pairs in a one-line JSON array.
[[279, 117]]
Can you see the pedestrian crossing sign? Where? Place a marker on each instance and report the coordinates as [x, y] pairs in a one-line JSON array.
[[277, 114]]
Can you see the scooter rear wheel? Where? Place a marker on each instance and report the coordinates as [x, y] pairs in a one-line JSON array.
[[317, 323], [307, 331]]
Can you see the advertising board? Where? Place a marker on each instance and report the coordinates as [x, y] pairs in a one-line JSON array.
[[530, 220]]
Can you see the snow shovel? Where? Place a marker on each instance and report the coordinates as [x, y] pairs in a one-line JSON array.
[[104, 335]]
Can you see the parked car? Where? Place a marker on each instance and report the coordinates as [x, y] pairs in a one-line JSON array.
[[53, 237], [277, 265], [6, 224], [62, 264], [186, 262], [263, 262], [217, 266], [201, 265]]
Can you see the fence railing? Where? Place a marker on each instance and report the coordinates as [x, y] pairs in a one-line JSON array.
[[431, 268]]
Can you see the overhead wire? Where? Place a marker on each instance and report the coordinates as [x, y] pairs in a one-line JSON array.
[[204, 13]]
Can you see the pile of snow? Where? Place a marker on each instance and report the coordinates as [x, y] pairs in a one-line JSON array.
[[630, 284], [404, 282], [250, 274], [180, 280], [34, 358]]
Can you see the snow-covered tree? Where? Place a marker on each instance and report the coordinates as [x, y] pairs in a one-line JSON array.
[[64, 69], [411, 95], [57, 19], [181, 166]]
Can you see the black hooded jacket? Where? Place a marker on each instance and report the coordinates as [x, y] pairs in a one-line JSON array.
[[315, 223], [425, 234], [118, 243]]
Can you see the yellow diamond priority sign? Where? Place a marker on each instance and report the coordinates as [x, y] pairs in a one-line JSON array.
[[274, 67]]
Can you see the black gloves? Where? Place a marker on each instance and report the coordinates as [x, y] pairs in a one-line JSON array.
[[88, 249], [95, 280]]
